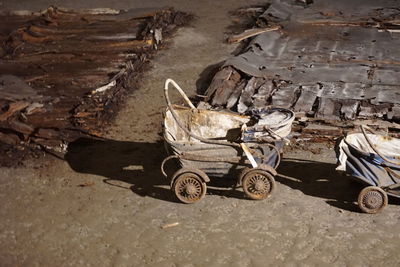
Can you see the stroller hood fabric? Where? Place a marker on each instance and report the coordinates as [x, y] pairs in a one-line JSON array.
[[357, 158]]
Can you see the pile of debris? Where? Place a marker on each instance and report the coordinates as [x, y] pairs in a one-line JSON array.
[[334, 63], [63, 73]]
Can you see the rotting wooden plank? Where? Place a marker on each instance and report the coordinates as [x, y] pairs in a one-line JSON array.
[[9, 138], [308, 96], [246, 98], [234, 97], [368, 110], [250, 33], [84, 46], [320, 129], [383, 94], [284, 96], [395, 113], [349, 108], [13, 88], [89, 30], [21, 127], [58, 56], [223, 75], [379, 124], [225, 89], [13, 108], [328, 109], [305, 103], [262, 97]]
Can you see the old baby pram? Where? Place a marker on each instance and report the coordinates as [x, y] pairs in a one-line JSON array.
[[209, 143], [373, 160]]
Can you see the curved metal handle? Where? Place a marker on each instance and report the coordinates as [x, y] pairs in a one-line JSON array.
[[181, 92], [175, 116], [165, 161]]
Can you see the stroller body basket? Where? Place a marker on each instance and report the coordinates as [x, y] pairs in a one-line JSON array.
[[214, 159], [218, 144], [359, 159]]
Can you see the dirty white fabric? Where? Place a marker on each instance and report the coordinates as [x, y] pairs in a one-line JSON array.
[[279, 121], [207, 124], [389, 147]]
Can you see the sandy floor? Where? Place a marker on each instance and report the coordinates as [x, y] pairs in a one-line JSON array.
[[106, 204]]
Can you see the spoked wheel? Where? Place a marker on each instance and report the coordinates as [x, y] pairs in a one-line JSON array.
[[189, 187], [372, 199], [258, 184]]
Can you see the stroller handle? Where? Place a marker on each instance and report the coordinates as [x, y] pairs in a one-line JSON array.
[[179, 89], [175, 116]]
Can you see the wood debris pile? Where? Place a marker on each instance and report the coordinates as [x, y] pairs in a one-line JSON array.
[[63, 73], [335, 65]]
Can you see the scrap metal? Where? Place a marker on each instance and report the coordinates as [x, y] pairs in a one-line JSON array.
[[334, 63]]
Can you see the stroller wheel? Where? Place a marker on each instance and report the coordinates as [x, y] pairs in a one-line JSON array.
[[372, 199], [258, 184], [189, 187]]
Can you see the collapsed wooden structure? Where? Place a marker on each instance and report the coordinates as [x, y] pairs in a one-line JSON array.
[[335, 63], [63, 73]]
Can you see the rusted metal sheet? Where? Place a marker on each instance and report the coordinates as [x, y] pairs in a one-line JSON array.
[[332, 61], [63, 73]]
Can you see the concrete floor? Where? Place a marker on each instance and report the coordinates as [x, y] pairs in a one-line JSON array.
[[106, 204]]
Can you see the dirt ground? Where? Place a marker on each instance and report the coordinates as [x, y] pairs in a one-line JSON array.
[[105, 205]]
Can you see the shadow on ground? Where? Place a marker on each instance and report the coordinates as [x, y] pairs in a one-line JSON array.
[[135, 163], [138, 165], [320, 180]]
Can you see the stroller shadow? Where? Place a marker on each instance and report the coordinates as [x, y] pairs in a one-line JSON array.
[[137, 165], [134, 163], [321, 180], [226, 186]]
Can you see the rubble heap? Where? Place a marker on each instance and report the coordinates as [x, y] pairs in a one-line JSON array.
[[63, 73], [335, 63]]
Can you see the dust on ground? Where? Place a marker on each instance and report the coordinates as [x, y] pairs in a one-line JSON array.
[[106, 205]]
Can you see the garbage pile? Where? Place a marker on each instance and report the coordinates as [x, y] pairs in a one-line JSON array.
[[334, 63], [63, 73]]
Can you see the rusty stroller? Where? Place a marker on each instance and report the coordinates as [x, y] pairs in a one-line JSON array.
[[210, 143], [373, 160]]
